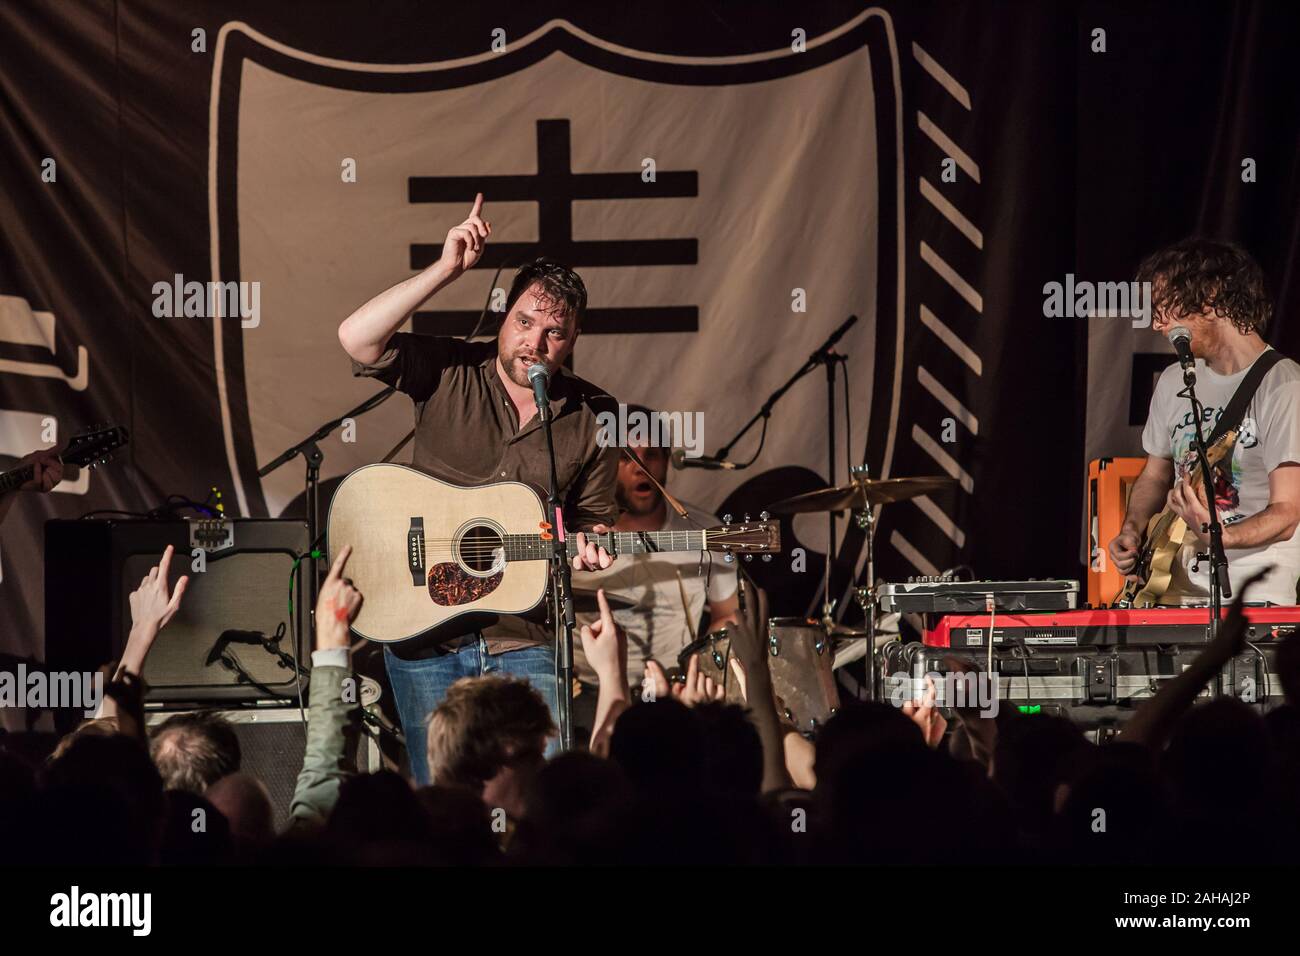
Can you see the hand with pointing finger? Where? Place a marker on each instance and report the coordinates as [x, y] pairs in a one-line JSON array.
[[464, 245], [153, 604], [605, 645], [337, 606]]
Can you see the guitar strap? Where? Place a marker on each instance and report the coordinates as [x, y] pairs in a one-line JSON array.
[[1236, 408]]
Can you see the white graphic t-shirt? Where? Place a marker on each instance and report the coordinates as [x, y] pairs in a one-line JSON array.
[[658, 623], [1269, 436]]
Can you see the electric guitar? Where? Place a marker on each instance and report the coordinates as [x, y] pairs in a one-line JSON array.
[[426, 553], [86, 450], [1166, 534]]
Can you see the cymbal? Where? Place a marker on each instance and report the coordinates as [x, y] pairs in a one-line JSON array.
[[860, 494]]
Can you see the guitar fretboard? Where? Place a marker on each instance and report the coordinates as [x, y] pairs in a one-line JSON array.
[[12, 480], [531, 547]]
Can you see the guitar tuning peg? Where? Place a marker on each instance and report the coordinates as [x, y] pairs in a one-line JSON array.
[[746, 517], [728, 557], [767, 557], [749, 557], [763, 516], [726, 519]]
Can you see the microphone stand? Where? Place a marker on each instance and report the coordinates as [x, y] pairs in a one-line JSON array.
[[824, 355], [561, 591], [314, 457], [1220, 586]]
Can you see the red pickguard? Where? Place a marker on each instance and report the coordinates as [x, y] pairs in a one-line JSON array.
[[450, 585]]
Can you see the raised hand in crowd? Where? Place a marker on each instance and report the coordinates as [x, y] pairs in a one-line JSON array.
[[605, 645], [697, 688], [926, 715], [153, 604], [337, 605]]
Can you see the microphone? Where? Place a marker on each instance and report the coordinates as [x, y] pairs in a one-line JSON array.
[[540, 377], [1181, 339], [680, 461], [232, 637]]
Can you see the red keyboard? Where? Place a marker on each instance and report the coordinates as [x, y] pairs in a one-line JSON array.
[[1120, 627]]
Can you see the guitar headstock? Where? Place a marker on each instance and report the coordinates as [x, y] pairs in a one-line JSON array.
[[747, 538], [95, 446]]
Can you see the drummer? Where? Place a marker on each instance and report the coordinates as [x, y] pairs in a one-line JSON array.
[[658, 599]]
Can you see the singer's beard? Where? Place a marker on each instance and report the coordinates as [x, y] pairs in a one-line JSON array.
[[516, 365]]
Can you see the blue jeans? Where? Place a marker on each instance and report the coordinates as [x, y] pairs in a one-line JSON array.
[[420, 685]]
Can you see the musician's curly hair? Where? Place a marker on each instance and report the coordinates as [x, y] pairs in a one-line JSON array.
[[560, 285], [1199, 274]]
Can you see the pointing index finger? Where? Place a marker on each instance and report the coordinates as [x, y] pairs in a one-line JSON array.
[[478, 205], [164, 565], [336, 569]]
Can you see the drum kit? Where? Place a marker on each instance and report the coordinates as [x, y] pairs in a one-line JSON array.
[[803, 653]]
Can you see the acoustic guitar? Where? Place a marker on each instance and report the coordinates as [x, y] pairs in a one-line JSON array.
[[426, 553], [1166, 534]]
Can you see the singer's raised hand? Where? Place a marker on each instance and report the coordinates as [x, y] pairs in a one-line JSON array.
[[464, 245]]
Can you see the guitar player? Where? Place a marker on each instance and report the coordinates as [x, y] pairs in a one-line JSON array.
[[476, 423], [1216, 291]]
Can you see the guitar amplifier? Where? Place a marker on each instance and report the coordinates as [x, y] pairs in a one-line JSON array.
[[1109, 483], [91, 568], [271, 743]]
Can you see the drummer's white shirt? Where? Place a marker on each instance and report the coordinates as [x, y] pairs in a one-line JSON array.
[[658, 625]]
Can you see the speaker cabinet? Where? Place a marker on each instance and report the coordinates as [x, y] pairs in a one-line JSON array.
[[91, 568], [271, 744]]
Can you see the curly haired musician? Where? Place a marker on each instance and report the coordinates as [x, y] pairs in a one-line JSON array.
[[476, 423], [1216, 291]]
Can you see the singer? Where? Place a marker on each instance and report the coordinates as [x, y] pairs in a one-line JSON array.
[[1216, 292], [476, 422]]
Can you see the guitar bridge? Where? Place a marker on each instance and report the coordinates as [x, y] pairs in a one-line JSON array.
[[415, 552]]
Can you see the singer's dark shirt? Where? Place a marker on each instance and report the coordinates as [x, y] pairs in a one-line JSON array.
[[467, 433]]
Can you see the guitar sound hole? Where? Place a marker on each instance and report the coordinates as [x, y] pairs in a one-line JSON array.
[[480, 550]]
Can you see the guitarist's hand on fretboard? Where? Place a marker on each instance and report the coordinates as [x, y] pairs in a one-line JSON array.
[[589, 556], [47, 470]]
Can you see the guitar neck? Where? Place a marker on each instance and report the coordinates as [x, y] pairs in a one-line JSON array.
[[531, 547], [13, 480]]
